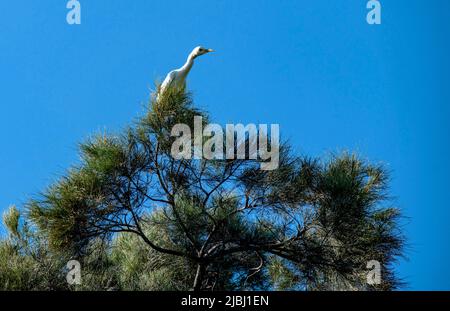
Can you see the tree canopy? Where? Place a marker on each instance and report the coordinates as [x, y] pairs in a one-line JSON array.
[[136, 218]]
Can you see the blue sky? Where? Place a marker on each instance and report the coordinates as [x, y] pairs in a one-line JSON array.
[[329, 79]]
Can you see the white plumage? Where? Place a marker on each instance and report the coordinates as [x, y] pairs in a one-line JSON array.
[[177, 77]]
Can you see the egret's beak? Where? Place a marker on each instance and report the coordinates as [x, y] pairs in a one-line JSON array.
[[210, 50]]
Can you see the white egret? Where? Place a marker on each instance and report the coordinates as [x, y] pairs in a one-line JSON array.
[[177, 77]]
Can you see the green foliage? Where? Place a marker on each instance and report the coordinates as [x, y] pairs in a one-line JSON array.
[[25, 262], [141, 268], [137, 219], [11, 220]]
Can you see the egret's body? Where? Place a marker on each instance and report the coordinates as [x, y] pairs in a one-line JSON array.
[[177, 77]]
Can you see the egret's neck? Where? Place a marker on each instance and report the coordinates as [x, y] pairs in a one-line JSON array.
[[188, 65]]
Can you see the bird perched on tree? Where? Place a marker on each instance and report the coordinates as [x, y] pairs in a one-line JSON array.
[[177, 77]]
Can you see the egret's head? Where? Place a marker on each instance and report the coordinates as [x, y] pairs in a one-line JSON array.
[[199, 50]]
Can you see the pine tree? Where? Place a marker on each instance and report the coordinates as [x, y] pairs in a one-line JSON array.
[[167, 224]]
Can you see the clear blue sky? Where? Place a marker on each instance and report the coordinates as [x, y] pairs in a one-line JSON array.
[[329, 79]]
